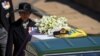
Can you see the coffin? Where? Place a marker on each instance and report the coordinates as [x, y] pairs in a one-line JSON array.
[[44, 45]]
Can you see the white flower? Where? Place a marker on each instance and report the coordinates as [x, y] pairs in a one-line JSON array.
[[49, 24]]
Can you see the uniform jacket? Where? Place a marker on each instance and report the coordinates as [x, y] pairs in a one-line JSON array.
[[17, 35], [7, 15]]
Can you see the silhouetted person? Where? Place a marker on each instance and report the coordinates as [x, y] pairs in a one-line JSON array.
[[7, 17]]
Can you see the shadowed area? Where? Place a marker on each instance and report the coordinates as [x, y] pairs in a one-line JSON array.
[[82, 9]]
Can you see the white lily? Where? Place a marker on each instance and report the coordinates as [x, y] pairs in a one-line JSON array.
[[49, 24]]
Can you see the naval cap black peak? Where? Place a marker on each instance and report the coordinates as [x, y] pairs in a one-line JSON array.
[[24, 7]]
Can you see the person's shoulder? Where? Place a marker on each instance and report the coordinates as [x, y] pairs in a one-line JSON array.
[[16, 23], [32, 23]]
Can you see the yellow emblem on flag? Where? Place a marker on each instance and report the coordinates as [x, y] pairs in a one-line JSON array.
[[72, 33]]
